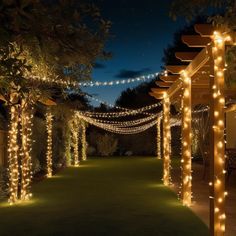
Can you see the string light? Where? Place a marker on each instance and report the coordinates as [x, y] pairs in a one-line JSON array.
[[112, 106], [73, 84], [49, 118], [115, 129], [129, 123], [117, 82], [119, 114]]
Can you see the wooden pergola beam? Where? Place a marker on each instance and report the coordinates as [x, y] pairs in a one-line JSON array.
[[175, 69], [200, 86], [159, 90], [169, 78], [195, 41], [186, 56], [199, 61], [157, 96], [205, 100], [163, 84], [205, 30]]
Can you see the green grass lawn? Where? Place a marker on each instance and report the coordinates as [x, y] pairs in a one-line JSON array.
[[119, 196]]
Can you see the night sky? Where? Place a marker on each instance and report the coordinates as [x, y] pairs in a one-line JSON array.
[[141, 30]]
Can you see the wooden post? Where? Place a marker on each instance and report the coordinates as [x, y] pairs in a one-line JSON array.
[[159, 137], [166, 140], [186, 142], [217, 149]]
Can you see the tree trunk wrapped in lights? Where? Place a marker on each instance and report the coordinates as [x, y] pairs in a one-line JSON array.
[[13, 149], [83, 141], [49, 143], [26, 142]]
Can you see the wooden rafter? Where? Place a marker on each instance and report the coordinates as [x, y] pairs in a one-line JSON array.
[[195, 41], [205, 30], [163, 84], [158, 90], [159, 97], [175, 69], [186, 56], [169, 78], [199, 61]]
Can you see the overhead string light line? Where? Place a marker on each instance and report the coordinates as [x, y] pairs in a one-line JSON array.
[[121, 113], [119, 129], [113, 106], [118, 82], [75, 84]]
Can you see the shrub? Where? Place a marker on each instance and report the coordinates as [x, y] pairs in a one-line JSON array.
[[106, 144], [3, 182]]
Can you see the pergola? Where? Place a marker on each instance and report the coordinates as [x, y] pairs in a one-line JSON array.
[[202, 81]]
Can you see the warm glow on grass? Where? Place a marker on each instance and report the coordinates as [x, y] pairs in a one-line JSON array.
[[19, 203]]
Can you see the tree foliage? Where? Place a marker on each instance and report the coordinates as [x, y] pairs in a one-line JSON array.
[[58, 33], [191, 9]]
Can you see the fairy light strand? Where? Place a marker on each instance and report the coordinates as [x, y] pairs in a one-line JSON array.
[[73, 84], [112, 106], [120, 114]]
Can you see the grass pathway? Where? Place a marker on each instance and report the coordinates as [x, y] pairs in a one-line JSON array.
[[103, 197]]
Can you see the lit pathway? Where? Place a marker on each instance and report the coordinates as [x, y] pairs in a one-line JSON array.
[[104, 197]]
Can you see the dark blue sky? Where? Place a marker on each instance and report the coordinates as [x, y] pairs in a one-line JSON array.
[[141, 29]]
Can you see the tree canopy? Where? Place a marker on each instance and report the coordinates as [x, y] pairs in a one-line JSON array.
[[42, 38]]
